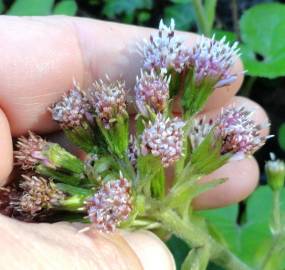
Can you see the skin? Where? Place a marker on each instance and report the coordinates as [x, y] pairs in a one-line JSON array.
[[39, 58]]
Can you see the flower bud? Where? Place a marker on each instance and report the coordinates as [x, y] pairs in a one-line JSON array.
[[275, 172], [163, 138], [152, 91], [110, 205]]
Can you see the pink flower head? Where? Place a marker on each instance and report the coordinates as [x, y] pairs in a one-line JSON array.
[[240, 134], [38, 194], [152, 90], [30, 151], [164, 50], [72, 109], [110, 205], [163, 138], [109, 101], [212, 60]]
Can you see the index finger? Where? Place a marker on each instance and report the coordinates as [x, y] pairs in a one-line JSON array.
[[40, 56]]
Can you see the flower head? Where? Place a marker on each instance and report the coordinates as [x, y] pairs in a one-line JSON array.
[[212, 61], [30, 151], [109, 101], [110, 205], [240, 134], [72, 109], [38, 194], [164, 50], [199, 131], [163, 138], [151, 90]]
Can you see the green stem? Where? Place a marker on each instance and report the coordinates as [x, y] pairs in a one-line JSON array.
[[276, 215], [195, 237], [201, 17]]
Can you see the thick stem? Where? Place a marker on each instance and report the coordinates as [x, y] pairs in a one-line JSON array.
[[195, 237], [201, 17]]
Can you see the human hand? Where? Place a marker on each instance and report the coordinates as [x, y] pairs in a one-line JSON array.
[[39, 58]]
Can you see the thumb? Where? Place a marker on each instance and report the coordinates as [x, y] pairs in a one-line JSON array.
[[60, 246], [6, 149]]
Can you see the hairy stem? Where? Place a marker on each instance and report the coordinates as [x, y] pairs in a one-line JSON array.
[[276, 215], [195, 237]]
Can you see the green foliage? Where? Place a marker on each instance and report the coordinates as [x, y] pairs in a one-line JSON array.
[[31, 7], [281, 136], [251, 240], [66, 7], [262, 31], [41, 7], [112, 8], [181, 13]]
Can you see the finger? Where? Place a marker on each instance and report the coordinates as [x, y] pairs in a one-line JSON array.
[[6, 148], [61, 246], [41, 56], [242, 175], [148, 248]]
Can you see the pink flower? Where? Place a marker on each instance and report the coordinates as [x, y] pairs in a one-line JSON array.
[[109, 100], [164, 50], [163, 138], [240, 134], [152, 90], [212, 60], [30, 151], [110, 205], [72, 109]]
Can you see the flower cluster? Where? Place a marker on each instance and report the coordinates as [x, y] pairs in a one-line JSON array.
[[163, 138], [212, 60], [30, 151], [70, 111], [164, 50], [38, 194], [152, 90], [108, 100], [110, 205]]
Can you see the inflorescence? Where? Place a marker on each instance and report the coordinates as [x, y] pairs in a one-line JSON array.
[[105, 186]]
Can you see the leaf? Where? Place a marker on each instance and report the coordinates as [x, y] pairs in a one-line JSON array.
[[262, 31], [31, 7], [281, 136], [252, 240], [114, 7], [182, 14], [65, 7]]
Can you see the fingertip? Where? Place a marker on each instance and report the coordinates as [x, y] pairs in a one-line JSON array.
[[149, 248], [6, 146], [242, 178]]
